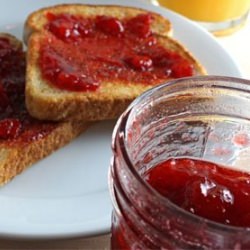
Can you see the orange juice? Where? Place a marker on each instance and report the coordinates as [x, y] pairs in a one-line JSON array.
[[208, 10]]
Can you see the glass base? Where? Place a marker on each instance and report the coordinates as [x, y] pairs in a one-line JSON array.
[[226, 27]]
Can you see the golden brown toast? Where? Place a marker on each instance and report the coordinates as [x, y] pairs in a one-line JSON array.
[[46, 101], [23, 139]]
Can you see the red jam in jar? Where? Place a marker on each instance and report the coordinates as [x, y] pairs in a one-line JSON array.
[[203, 188], [81, 53], [16, 125], [170, 187]]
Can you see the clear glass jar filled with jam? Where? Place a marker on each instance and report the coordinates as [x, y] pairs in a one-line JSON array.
[[179, 175]]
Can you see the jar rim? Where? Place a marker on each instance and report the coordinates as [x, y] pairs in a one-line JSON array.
[[119, 135]]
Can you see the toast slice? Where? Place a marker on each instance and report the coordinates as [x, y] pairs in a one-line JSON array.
[[116, 67], [23, 139], [37, 20]]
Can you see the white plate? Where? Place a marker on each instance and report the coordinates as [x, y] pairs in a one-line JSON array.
[[66, 194]]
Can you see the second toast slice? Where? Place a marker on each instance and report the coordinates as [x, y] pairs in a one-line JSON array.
[[23, 139]]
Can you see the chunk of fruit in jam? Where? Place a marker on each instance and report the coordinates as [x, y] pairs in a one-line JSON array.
[[75, 81], [204, 189], [62, 74], [140, 25], [138, 62], [174, 63], [9, 128], [182, 69], [109, 25], [68, 27]]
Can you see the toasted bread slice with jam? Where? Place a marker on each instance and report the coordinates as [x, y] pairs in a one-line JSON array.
[[23, 139], [84, 66]]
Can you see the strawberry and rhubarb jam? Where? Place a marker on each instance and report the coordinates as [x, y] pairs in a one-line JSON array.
[[16, 125], [83, 52], [205, 189], [202, 188]]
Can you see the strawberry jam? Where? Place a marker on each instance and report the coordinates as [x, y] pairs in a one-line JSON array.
[[80, 53], [16, 125], [204, 189]]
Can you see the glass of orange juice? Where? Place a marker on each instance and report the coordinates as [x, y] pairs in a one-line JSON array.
[[218, 16]]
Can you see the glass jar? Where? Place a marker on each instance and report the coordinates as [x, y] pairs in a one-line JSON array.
[[176, 119]]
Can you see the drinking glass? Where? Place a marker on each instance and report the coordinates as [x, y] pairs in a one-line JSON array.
[[221, 17]]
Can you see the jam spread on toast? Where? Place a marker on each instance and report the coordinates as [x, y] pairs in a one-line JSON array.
[[16, 125], [80, 53], [203, 188]]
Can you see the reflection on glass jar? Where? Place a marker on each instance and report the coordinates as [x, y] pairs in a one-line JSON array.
[[218, 16], [200, 123]]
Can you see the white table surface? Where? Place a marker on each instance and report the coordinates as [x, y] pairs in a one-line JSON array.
[[238, 45]]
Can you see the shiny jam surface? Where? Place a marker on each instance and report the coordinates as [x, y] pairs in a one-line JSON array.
[[83, 52], [205, 189], [16, 125], [202, 188]]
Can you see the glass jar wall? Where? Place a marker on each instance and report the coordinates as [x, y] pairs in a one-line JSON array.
[[176, 120]]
